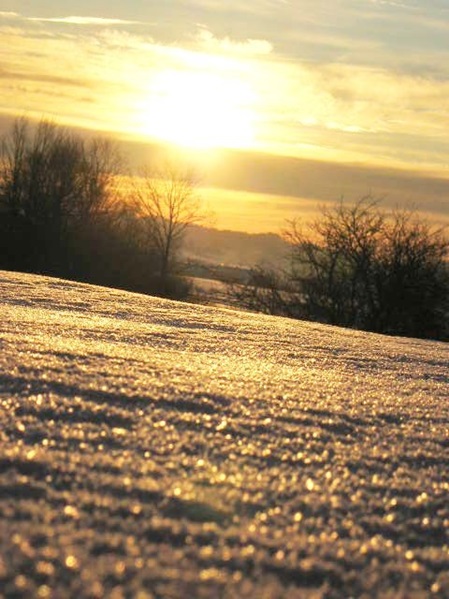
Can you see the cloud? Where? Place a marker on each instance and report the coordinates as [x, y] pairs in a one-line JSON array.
[[77, 20], [324, 181], [40, 78], [353, 112], [393, 4], [207, 42]]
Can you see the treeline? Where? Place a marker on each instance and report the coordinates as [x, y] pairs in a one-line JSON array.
[[360, 266], [64, 213]]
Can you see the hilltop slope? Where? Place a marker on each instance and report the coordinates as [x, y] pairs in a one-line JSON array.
[[233, 248], [181, 450]]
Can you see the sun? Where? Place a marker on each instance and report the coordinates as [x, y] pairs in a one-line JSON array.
[[199, 109]]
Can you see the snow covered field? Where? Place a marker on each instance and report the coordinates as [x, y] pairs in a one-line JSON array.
[[156, 449]]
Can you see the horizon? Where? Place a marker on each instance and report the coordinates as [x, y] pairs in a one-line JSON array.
[[278, 110]]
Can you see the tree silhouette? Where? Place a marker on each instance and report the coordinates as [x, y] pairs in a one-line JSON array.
[[167, 203], [52, 183], [360, 266]]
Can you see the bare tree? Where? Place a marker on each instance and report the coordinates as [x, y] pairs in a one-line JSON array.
[[52, 182], [412, 278], [167, 202], [332, 261], [360, 266], [363, 267]]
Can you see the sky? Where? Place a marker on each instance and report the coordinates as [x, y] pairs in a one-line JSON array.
[[279, 104]]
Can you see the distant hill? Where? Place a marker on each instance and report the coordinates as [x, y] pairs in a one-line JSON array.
[[233, 248]]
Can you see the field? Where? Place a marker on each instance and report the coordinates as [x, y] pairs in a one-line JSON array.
[[152, 449]]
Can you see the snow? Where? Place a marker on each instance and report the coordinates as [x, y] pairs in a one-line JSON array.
[[150, 448]]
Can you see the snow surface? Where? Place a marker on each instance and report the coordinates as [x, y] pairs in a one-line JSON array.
[[157, 449]]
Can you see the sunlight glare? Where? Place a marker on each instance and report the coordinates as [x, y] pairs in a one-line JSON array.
[[199, 110]]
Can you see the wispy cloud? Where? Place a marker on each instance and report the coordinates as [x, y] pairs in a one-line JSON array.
[[77, 20], [39, 78], [206, 41], [394, 4]]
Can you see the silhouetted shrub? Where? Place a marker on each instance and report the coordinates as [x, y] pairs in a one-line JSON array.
[[265, 291]]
